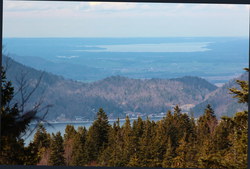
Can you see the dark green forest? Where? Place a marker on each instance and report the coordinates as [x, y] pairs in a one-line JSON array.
[[175, 141]]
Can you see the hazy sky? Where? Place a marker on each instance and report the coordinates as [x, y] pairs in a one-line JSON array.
[[105, 19]]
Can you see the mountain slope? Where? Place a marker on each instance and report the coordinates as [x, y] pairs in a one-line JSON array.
[[221, 101], [117, 95]]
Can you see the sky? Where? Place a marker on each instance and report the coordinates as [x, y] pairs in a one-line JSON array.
[[115, 19]]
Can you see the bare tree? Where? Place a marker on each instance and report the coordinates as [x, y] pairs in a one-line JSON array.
[[24, 91]]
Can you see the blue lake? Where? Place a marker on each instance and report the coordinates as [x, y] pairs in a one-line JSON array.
[[162, 47]]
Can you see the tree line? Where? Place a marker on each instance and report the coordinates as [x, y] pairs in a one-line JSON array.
[[175, 141]]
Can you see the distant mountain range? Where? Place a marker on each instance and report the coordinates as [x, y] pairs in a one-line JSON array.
[[119, 96]]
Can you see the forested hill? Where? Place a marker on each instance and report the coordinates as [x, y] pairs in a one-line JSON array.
[[221, 99], [117, 95]]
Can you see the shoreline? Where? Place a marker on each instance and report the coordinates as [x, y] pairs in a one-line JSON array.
[[79, 122]]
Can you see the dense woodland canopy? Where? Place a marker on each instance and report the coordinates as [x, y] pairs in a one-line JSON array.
[[175, 141]]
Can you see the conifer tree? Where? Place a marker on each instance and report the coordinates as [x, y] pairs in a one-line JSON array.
[[69, 135], [236, 156], [206, 124], [41, 138], [109, 156], [177, 127], [13, 124], [159, 143], [237, 153], [221, 137], [30, 156], [169, 155], [177, 110], [137, 131], [40, 144], [79, 155], [97, 139], [192, 151], [69, 132], [181, 154], [57, 150], [241, 94], [229, 146], [112, 155], [146, 154], [186, 153], [128, 149]]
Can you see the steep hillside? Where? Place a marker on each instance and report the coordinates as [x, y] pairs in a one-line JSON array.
[[117, 95], [53, 90], [221, 101]]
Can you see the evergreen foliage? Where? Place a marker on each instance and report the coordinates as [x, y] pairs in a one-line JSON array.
[[97, 138], [241, 94], [40, 144], [57, 150], [69, 135], [70, 132], [13, 124], [79, 156]]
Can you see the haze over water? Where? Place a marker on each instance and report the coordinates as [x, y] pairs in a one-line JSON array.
[[216, 59]]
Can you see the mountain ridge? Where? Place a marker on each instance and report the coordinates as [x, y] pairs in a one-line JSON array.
[[117, 95], [228, 105]]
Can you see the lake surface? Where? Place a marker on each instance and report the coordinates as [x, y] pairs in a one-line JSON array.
[[161, 47], [217, 59]]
